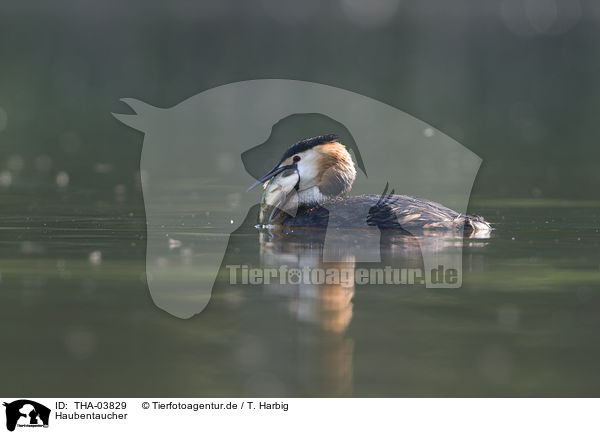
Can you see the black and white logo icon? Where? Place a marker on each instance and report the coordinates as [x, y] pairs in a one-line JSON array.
[[26, 413]]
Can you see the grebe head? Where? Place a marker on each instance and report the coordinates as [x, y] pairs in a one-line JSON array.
[[324, 167]]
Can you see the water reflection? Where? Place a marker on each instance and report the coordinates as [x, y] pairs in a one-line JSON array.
[[525, 318], [324, 301], [325, 304]]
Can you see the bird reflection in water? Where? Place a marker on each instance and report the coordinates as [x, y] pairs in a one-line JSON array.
[[326, 308]]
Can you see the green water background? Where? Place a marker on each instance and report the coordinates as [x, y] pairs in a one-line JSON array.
[[510, 82]]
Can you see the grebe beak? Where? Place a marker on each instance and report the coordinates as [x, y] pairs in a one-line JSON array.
[[274, 171]]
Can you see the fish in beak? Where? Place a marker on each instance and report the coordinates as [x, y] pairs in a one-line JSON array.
[[273, 172], [280, 193]]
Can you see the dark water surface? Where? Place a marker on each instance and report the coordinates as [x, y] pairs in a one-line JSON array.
[[77, 318], [514, 82]]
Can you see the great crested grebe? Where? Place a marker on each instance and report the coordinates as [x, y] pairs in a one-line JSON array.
[[310, 184]]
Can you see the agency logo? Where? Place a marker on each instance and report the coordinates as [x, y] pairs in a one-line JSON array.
[[200, 156], [25, 413]]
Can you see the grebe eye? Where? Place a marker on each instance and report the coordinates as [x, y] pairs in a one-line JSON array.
[[296, 158]]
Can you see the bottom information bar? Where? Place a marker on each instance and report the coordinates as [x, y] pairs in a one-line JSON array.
[[265, 415]]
